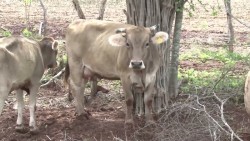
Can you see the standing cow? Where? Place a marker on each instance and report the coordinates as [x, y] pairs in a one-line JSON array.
[[22, 64], [113, 50]]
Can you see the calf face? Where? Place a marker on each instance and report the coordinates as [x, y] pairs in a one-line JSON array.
[[137, 40], [49, 51]]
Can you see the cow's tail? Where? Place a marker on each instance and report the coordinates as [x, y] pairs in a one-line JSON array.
[[66, 73]]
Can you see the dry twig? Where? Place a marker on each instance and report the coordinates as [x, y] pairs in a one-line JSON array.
[[54, 77]]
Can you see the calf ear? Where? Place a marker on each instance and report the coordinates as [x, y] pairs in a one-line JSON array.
[[54, 45], [117, 40], [159, 37]]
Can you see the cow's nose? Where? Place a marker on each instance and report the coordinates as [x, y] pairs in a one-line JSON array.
[[136, 64]]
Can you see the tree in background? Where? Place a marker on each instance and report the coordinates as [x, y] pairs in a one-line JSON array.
[[227, 4]]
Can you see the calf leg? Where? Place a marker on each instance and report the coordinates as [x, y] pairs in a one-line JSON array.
[[20, 106], [32, 104]]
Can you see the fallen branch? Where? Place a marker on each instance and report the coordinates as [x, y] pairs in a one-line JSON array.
[[54, 77], [224, 120]]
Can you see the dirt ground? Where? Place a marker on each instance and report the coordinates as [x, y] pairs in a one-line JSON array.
[[56, 116]]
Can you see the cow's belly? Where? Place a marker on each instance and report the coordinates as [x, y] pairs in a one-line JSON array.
[[101, 71]]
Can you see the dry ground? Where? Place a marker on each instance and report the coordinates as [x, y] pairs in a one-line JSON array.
[[56, 117]]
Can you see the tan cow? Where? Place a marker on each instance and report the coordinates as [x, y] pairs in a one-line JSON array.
[[113, 50], [22, 64]]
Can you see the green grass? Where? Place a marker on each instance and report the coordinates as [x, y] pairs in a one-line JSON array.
[[225, 79]]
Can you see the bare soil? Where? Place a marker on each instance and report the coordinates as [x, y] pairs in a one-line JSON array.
[[56, 116]]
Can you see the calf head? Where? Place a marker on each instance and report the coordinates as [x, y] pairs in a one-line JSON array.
[[137, 40], [49, 51]]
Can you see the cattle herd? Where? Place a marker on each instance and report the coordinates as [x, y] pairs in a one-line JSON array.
[[95, 50]]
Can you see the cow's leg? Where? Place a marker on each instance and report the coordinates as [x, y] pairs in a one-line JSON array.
[[32, 104], [129, 101], [148, 99], [3, 96], [93, 88], [20, 106], [77, 84]]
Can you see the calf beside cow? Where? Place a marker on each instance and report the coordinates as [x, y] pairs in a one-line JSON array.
[[23, 62]]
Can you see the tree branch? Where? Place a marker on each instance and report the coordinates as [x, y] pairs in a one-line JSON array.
[[102, 10], [54, 77], [78, 9]]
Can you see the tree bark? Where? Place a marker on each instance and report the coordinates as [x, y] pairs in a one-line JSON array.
[[230, 24], [148, 13], [173, 85], [102, 10], [78, 9]]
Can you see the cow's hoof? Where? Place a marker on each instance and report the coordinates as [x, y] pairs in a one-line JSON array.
[[86, 114], [20, 129], [34, 130]]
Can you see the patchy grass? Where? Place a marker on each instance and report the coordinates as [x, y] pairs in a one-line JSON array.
[[222, 71]]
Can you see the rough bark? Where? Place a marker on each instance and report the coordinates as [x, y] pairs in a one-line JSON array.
[[148, 13], [102, 10], [78, 9], [230, 24], [173, 85], [44, 23]]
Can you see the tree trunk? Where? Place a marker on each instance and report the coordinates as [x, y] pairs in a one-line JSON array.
[[78, 9], [44, 23], [148, 13], [230, 24], [173, 85], [102, 9]]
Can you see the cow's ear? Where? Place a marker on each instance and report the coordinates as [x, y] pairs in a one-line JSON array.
[[117, 40], [54, 45], [159, 37]]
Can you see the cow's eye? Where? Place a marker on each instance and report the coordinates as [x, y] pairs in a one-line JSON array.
[[147, 45], [127, 44]]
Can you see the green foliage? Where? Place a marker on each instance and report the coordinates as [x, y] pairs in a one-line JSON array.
[[228, 78], [6, 33], [27, 2], [27, 33]]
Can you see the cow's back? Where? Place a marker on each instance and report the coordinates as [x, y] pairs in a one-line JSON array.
[[89, 40], [22, 59]]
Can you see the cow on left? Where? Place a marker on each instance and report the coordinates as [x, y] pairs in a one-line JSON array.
[[22, 64]]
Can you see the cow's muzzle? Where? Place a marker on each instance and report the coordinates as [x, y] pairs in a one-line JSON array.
[[137, 64]]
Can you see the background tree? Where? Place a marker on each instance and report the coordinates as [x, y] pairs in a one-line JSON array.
[[227, 4]]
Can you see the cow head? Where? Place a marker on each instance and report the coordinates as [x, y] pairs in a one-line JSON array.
[[137, 40], [49, 51]]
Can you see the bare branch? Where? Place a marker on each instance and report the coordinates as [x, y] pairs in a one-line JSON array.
[[78, 9], [54, 77], [224, 120], [102, 9]]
